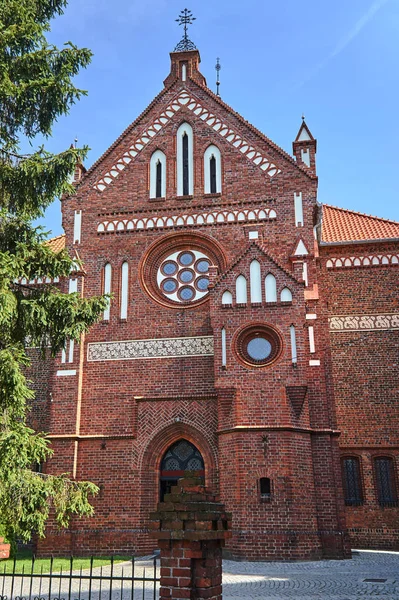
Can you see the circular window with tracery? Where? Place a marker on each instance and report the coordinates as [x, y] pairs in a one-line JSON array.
[[258, 345], [175, 271], [184, 276]]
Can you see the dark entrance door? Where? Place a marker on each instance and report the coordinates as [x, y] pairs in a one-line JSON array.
[[182, 456]]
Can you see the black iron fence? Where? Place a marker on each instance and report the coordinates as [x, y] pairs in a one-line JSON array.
[[133, 579]]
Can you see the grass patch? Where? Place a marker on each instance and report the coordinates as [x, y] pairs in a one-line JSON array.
[[23, 563]]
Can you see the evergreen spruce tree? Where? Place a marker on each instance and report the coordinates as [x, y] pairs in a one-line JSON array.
[[35, 89]]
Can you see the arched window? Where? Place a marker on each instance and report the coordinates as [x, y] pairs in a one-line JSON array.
[[227, 297], [181, 456], [286, 295], [124, 289], [107, 288], [158, 175], [255, 282], [212, 170], [185, 171], [158, 186], [270, 288], [352, 483], [212, 166], [241, 290], [385, 480]]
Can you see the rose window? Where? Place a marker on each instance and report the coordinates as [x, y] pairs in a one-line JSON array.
[[184, 276]]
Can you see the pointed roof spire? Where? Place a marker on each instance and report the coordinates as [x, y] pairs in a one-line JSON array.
[[304, 133], [305, 147]]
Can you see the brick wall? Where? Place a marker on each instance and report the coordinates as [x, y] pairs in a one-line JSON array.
[[364, 369], [118, 417]]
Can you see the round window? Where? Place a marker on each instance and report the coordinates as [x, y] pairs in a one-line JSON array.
[[169, 267], [258, 345], [175, 270], [186, 275], [183, 276], [186, 258], [259, 348], [169, 286]]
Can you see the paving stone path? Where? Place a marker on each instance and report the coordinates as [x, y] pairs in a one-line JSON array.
[[332, 580], [321, 580]]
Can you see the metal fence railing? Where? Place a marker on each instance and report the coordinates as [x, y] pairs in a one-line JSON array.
[[133, 579]]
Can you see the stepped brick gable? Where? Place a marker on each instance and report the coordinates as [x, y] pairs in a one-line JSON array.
[[252, 337]]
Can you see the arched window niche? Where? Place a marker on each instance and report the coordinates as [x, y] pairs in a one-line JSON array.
[[124, 289], [212, 170], [227, 297], [241, 290], [158, 175], [107, 289], [185, 166], [286, 295], [255, 282], [270, 288]]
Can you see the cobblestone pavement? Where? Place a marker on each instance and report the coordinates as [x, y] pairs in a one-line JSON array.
[[322, 580], [331, 579]]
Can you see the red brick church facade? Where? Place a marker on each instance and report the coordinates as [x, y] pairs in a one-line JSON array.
[[252, 335]]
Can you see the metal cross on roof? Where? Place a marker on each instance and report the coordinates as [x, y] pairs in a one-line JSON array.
[[217, 67], [185, 18]]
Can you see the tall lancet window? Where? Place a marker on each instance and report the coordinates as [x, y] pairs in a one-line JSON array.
[[185, 160], [212, 170], [158, 175], [158, 191], [186, 172], [213, 174]]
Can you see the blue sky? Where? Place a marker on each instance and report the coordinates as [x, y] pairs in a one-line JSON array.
[[336, 62]]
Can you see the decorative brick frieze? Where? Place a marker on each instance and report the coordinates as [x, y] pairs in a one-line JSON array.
[[222, 129], [364, 322], [156, 348], [203, 218], [376, 260]]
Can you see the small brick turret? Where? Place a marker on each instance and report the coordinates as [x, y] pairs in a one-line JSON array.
[[185, 65], [191, 527], [305, 148]]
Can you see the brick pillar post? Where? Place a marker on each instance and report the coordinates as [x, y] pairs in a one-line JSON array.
[[191, 527], [4, 549]]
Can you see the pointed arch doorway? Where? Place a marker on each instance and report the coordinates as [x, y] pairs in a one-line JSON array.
[[181, 456]]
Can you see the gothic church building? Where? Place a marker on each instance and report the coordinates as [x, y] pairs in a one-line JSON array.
[[252, 335]]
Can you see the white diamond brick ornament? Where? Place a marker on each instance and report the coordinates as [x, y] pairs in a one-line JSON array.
[[185, 99]]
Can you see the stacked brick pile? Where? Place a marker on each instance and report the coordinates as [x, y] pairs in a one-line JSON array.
[[191, 527], [4, 549]]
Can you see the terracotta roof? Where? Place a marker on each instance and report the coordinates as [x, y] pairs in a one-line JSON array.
[[57, 243], [342, 225]]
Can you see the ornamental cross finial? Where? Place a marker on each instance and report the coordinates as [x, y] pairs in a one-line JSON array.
[[217, 67], [185, 18]]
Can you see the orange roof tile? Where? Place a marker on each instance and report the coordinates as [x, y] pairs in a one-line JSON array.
[[57, 243], [342, 225]]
